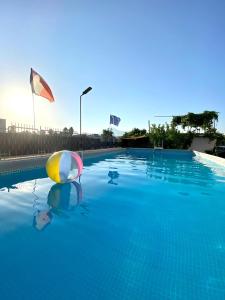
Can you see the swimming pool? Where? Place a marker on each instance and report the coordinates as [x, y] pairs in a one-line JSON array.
[[139, 225]]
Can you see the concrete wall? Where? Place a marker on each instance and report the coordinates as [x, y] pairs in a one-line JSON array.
[[202, 144]]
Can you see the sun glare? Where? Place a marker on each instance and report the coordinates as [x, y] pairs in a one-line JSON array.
[[17, 106]]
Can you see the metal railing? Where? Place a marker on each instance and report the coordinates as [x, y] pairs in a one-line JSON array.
[[22, 140], [26, 128]]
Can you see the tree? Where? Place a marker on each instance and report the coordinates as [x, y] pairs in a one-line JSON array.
[[157, 134], [205, 121], [65, 131], [12, 129], [169, 136], [71, 131], [135, 132], [50, 131], [107, 134], [209, 119]]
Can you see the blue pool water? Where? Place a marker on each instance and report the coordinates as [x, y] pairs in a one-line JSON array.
[[140, 225]]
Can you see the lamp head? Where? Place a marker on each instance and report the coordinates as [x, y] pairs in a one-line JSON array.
[[87, 90]]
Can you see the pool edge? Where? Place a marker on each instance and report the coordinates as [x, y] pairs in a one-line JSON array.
[[19, 164], [215, 159]]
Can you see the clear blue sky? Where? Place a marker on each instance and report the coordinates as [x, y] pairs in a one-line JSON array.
[[142, 58]]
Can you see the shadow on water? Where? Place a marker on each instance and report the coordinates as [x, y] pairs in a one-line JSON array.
[[113, 176], [9, 181], [62, 199]]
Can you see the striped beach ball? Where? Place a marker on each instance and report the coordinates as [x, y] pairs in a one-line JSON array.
[[64, 166]]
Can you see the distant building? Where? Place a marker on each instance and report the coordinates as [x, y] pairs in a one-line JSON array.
[[2, 125]]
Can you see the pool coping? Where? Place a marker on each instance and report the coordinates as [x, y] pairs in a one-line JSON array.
[[162, 149], [215, 159], [18, 164]]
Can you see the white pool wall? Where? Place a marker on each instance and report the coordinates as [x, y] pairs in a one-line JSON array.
[[215, 159]]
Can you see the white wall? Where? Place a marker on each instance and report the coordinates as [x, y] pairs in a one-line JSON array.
[[202, 144], [212, 158]]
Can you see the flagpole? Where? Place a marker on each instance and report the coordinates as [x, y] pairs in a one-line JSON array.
[[80, 124], [33, 109]]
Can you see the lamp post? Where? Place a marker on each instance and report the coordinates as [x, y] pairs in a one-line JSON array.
[[84, 92]]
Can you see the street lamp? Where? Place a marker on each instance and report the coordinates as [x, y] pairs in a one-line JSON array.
[[87, 91], [84, 93]]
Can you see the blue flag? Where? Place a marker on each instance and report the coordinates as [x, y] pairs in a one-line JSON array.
[[114, 120]]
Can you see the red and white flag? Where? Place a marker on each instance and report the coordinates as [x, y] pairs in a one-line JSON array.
[[40, 87]]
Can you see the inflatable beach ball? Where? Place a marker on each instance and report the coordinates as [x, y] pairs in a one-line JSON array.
[[64, 166]]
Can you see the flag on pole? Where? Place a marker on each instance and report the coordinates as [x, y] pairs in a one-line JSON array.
[[40, 87], [114, 120]]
